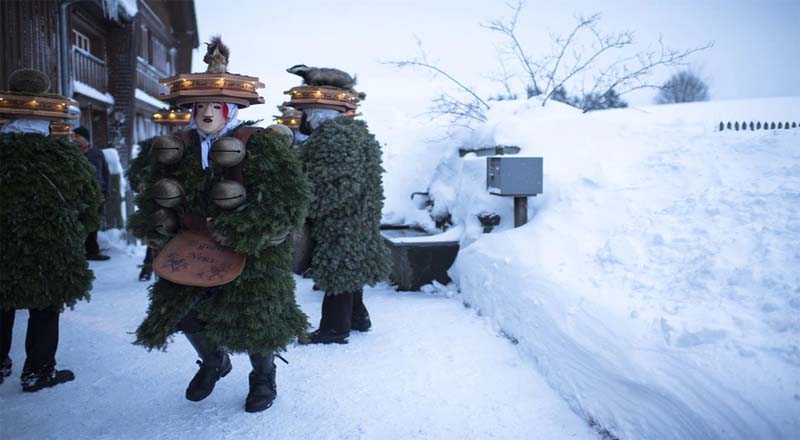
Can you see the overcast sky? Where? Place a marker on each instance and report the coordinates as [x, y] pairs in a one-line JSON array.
[[756, 49]]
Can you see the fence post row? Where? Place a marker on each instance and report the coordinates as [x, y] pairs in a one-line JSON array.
[[756, 126]]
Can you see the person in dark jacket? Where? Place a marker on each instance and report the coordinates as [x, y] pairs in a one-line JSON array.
[[83, 138]]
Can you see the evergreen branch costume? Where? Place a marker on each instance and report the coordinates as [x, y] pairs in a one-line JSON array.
[[140, 166], [343, 161], [257, 311], [49, 201], [232, 193]]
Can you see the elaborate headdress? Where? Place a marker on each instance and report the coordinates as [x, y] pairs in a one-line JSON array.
[[216, 84], [27, 98], [289, 117], [323, 88], [174, 117]]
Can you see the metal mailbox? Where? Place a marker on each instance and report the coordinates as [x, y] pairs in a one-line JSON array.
[[514, 176]]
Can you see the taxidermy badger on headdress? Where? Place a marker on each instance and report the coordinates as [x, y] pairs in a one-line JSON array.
[[324, 76], [217, 54]]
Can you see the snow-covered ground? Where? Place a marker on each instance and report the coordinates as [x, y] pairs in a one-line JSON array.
[[430, 369], [655, 292], [657, 285]]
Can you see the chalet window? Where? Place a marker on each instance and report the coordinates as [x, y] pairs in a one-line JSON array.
[[81, 41]]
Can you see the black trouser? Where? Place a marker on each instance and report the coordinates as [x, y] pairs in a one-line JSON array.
[[92, 248], [41, 341], [337, 312], [148, 256], [191, 324]]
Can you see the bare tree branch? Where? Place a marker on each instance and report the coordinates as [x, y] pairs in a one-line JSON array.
[[503, 77], [566, 43], [447, 105], [604, 43], [624, 79], [422, 62], [597, 61], [508, 28]]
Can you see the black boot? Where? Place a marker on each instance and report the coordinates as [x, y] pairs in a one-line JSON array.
[[146, 273], [215, 365], [46, 377], [262, 383], [360, 320], [334, 327], [5, 369]]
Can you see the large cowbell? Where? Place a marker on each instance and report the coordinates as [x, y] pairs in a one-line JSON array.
[[168, 193], [286, 134], [165, 222], [227, 152], [228, 194], [167, 150]]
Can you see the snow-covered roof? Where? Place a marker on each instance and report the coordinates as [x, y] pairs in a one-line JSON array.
[[130, 6], [114, 7]]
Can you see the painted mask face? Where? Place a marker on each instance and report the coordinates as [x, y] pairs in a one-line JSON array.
[[210, 117]]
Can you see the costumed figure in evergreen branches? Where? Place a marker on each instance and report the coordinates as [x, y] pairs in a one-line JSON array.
[[49, 201], [343, 161], [217, 201]]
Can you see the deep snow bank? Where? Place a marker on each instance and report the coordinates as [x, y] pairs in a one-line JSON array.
[[656, 284]]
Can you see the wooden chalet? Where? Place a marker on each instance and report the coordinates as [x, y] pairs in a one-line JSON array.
[[108, 55]]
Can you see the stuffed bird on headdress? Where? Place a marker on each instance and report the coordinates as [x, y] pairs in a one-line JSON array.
[[217, 54]]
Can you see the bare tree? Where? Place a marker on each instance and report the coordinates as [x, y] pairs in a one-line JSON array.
[[460, 110], [508, 27], [623, 74], [611, 72], [683, 86], [504, 78]]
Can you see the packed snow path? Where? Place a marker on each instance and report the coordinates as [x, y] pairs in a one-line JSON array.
[[430, 369]]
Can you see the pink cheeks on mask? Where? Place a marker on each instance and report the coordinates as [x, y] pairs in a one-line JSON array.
[[210, 117]]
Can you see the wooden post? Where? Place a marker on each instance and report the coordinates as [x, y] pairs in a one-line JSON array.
[[520, 211]]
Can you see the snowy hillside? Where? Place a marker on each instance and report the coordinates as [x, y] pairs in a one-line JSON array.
[[657, 284]]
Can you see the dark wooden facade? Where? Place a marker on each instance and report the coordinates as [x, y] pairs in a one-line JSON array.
[[29, 32], [115, 58]]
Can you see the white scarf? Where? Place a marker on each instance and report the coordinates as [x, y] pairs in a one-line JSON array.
[[315, 117], [39, 126], [206, 140]]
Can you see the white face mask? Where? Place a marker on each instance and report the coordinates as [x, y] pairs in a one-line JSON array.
[[209, 117]]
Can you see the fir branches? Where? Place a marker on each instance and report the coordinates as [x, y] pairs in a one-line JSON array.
[[49, 201], [343, 162]]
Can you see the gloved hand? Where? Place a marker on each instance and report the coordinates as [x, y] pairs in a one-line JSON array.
[[220, 238]]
